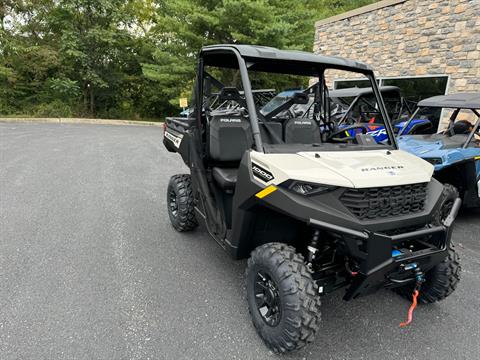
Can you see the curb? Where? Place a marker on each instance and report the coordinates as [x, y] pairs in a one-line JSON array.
[[81, 121]]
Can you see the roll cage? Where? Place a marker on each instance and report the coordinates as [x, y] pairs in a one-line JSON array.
[[247, 58], [456, 102]]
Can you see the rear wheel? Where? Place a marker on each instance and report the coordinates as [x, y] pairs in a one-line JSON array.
[[442, 279], [282, 297], [180, 203]]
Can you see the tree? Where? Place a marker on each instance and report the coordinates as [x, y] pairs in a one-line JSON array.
[[132, 58], [182, 27], [82, 54]]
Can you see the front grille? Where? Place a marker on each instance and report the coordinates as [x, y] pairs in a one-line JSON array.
[[382, 202]]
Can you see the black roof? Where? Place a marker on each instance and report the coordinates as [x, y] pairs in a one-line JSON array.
[[355, 91], [453, 101], [258, 53]]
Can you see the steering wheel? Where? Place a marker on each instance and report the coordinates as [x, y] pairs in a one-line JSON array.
[[346, 139]]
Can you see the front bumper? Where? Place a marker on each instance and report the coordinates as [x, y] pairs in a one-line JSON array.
[[373, 252]]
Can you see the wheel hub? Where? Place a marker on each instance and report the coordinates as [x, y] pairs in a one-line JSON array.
[[267, 299], [172, 202]]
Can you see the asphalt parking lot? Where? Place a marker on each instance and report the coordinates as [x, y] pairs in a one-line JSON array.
[[90, 267]]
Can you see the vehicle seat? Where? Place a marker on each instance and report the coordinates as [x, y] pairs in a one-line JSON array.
[[229, 137], [302, 131], [462, 127], [226, 178]]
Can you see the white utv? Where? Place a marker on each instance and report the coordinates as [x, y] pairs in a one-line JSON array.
[[313, 208]]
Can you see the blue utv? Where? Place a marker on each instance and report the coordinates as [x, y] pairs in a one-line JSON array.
[[455, 151]]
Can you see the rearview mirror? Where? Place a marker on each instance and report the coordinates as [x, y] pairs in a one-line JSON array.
[[300, 98]]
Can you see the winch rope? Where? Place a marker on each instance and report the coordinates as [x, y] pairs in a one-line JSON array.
[[410, 311]]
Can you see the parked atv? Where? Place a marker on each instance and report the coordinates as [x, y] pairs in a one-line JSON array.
[[261, 97], [356, 105], [455, 152], [312, 211]]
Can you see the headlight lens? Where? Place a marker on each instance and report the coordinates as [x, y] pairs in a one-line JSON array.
[[434, 161], [307, 189]]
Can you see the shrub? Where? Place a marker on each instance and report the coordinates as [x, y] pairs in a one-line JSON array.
[[56, 108]]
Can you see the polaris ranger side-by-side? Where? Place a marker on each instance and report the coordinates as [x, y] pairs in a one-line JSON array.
[[313, 208]]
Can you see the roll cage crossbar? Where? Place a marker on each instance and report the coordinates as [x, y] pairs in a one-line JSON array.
[[243, 57]]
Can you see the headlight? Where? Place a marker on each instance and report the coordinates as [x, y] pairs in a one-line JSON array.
[[307, 189], [434, 161]]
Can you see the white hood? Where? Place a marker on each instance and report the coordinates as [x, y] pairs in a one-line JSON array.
[[355, 169]]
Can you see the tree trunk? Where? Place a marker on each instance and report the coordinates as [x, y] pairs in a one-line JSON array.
[[92, 103], [85, 99]]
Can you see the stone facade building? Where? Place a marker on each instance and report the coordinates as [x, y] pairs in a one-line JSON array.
[[432, 47]]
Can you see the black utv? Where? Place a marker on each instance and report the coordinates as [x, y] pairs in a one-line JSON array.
[[313, 208]]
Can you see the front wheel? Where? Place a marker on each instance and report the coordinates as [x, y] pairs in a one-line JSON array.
[[282, 297]]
